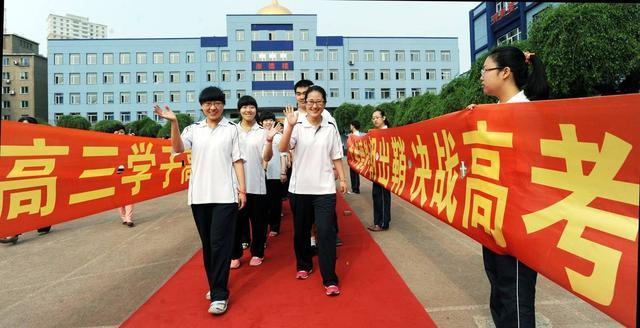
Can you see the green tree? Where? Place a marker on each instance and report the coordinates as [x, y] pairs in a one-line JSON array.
[[344, 114], [144, 127], [107, 126], [73, 122], [589, 48], [184, 120]]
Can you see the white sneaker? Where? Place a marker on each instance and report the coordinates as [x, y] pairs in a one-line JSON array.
[[218, 307], [208, 296]]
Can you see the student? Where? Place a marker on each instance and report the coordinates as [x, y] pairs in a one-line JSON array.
[[381, 196], [216, 187], [505, 75], [256, 146], [318, 149], [126, 211], [276, 170], [355, 177]]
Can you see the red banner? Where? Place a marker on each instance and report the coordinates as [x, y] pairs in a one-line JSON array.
[[50, 175], [553, 183]]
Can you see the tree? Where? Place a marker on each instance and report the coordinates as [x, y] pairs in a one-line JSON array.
[[73, 122], [589, 48], [344, 114], [184, 120], [107, 126], [144, 127]]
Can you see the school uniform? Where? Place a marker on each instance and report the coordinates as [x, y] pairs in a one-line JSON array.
[[313, 194], [381, 204], [213, 197], [253, 143], [274, 171]]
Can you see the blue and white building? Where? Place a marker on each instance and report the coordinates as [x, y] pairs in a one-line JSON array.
[[498, 23], [263, 55]]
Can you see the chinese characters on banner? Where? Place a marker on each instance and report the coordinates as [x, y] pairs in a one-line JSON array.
[[553, 183]]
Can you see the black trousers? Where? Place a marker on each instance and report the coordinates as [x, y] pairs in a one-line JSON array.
[[513, 290], [322, 208], [381, 206], [254, 212], [355, 181], [274, 204], [216, 225]]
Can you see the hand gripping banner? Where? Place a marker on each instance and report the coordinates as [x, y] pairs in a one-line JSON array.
[[553, 183], [50, 174]]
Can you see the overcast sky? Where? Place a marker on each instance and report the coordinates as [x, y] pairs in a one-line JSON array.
[[195, 18]]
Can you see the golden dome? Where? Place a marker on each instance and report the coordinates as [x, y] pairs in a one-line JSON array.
[[274, 9]]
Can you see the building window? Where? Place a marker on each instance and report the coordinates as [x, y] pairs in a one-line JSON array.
[[384, 56], [431, 74], [158, 97], [415, 92], [353, 56], [368, 74], [415, 55], [400, 93], [333, 54], [304, 35], [271, 36], [255, 35], [174, 58], [158, 77], [24, 90], [92, 78], [225, 55], [239, 35], [58, 98], [240, 57], [334, 93], [141, 97], [57, 59], [288, 35], [92, 117], [92, 59], [384, 74], [400, 74], [191, 96], [125, 78], [140, 115], [107, 59], [355, 94], [226, 76], [304, 55], [6, 104], [240, 75], [74, 59], [369, 93], [319, 74], [158, 58], [353, 75], [509, 38], [415, 74], [107, 98], [319, 55], [6, 90], [227, 94], [368, 55], [141, 77], [240, 93], [190, 77], [125, 58], [92, 98], [446, 74], [430, 55], [125, 117], [125, 97], [107, 116], [304, 74], [58, 78], [333, 74], [385, 93], [107, 78], [24, 61], [24, 75], [6, 75], [211, 56], [74, 78], [141, 58], [74, 99], [191, 57], [445, 55], [211, 76], [174, 77]]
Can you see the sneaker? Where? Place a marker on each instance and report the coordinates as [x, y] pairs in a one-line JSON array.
[[234, 264], [332, 290], [255, 261], [244, 245], [208, 296], [338, 241], [218, 307], [301, 275]]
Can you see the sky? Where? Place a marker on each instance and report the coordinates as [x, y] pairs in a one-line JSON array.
[[195, 18]]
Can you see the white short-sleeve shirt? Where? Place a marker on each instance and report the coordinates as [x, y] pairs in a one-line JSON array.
[[252, 143], [315, 149], [274, 166], [213, 152]]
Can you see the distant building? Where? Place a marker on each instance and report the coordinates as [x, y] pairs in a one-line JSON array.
[[496, 23], [74, 27], [24, 79], [263, 55]]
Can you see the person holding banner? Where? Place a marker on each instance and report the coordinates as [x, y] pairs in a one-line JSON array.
[[216, 186], [505, 75], [355, 177], [318, 149], [126, 211], [381, 196]]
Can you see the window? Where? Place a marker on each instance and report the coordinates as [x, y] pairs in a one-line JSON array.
[[107, 59], [125, 117], [107, 98], [227, 94], [58, 98], [353, 56], [211, 56], [92, 78], [446, 74], [400, 74], [353, 75], [191, 57], [125, 97], [158, 97], [509, 38], [333, 54], [211, 76], [334, 93], [190, 77], [355, 94], [158, 58], [125, 58], [304, 55], [92, 59], [158, 77], [415, 55], [271, 35], [415, 92], [288, 35], [239, 35], [5, 90], [74, 59], [400, 93], [74, 99], [6, 75], [240, 93], [174, 96], [319, 55], [255, 35], [24, 90], [141, 97], [431, 74], [174, 77], [107, 116], [304, 35], [240, 55], [140, 115], [319, 74], [125, 78], [384, 56], [415, 74], [368, 55], [333, 74], [5, 61], [369, 93], [141, 58], [240, 75], [385, 93], [58, 78], [226, 76], [92, 117], [24, 61], [174, 58], [368, 74], [445, 55], [384, 74], [191, 96], [225, 55], [6, 104], [141, 77], [57, 59], [430, 55], [92, 98], [304, 74], [74, 78], [24, 75], [107, 78]]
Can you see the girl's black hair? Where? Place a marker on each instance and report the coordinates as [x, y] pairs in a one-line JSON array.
[[29, 119], [533, 83], [386, 122], [316, 88]]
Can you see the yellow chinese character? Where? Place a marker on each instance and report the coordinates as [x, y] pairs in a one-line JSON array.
[[446, 176], [383, 170], [599, 284], [185, 174], [421, 171], [168, 166], [398, 166], [90, 151], [140, 154]]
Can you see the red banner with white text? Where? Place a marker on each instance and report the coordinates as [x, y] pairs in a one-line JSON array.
[[553, 183], [50, 174]]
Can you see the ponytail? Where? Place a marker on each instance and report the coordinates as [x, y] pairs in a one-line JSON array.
[[536, 87]]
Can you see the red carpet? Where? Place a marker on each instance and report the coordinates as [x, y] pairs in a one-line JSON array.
[[373, 294]]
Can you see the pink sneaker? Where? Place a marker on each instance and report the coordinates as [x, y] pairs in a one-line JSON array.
[[332, 290], [255, 261], [234, 264], [303, 274]]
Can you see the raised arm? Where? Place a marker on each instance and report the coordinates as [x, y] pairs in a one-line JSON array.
[[167, 114], [291, 118]]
